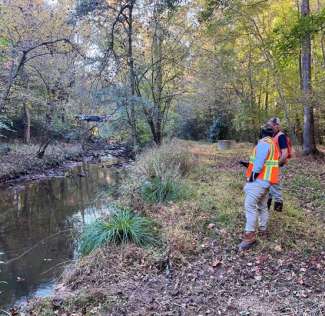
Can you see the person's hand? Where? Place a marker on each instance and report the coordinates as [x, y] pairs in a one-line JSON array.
[[243, 163]]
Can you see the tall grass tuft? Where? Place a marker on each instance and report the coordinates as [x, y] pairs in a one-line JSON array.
[[123, 226], [171, 159], [162, 190], [158, 174]]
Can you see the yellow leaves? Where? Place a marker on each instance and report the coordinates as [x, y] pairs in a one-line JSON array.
[[113, 3], [278, 248], [25, 22], [216, 263]]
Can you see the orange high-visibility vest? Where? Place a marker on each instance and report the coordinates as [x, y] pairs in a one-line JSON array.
[[271, 170], [276, 137], [289, 144]]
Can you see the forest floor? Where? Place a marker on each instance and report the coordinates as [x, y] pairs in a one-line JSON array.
[[19, 162], [201, 272]]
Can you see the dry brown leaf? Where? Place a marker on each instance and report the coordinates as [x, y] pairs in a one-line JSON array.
[[216, 263]]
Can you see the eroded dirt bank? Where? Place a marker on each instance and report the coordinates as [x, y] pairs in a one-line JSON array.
[[20, 162]]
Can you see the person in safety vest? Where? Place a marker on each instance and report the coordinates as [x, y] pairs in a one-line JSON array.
[[262, 172], [281, 140]]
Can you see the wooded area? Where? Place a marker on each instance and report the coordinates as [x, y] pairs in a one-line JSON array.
[[126, 160], [191, 69]]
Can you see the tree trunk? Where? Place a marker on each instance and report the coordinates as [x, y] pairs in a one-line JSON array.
[[26, 123], [266, 101], [132, 78], [41, 151], [14, 70], [158, 135], [157, 76], [323, 48], [299, 64], [274, 71], [309, 146]]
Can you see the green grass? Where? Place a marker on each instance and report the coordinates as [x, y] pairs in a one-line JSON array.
[[219, 196], [160, 190], [158, 175], [123, 226], [311, 188]]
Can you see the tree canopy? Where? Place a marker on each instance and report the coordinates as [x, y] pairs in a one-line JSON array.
[[164, 68]]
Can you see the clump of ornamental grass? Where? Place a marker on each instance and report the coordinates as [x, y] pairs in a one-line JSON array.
[[159, 190], [123, 226], [158, 174], [171, 158]]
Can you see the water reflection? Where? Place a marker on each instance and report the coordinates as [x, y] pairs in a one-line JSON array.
[[47, 214]]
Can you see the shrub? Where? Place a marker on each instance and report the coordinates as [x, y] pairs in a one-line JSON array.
[[123, 226]]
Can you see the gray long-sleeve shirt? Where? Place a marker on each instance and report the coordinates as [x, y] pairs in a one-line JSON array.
[[262, 151]]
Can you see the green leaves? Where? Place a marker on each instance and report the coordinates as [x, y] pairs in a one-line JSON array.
[[3, 42], [160, 190], [211, 6], [288, 39]]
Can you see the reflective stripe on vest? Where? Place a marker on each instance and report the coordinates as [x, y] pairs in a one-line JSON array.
[[276, 139], [270, 170]]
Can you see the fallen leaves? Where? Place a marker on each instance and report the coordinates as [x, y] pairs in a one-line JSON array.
[[262, 259], [13, 312], [216, 263], [258, 277]]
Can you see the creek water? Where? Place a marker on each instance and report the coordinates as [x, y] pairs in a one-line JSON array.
[[39, 223]]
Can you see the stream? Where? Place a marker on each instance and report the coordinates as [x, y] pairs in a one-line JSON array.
[[41, 219]]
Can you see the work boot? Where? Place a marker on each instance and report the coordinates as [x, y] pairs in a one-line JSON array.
[[249, 239], [269, 203], [278, 206]]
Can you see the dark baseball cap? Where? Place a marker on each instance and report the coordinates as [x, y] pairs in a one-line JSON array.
[[267, 130]]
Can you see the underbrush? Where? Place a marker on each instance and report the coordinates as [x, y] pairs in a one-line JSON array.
[[170, 159]]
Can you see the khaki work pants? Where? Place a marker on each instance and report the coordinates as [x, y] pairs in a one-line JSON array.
[[256, 196]]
